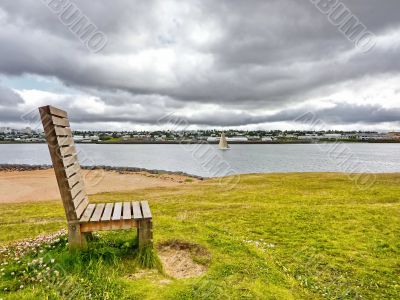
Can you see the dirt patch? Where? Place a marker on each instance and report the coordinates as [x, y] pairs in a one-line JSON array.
[[183, 260]]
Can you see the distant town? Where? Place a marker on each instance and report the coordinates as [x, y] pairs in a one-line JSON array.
[[28, 135]]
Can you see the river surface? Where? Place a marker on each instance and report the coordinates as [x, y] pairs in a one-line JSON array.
[[208, 161]]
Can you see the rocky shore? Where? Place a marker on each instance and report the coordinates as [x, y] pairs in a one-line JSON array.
[[25, 167]]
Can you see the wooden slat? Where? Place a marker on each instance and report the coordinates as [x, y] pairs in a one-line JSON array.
[[54, 149], [58, 112], [107, 212], [110, 225], [65, 141], [145, 210], [137, 213], [72, 170], [88, 213], [117, 211], [69, 160], [74, 180], [76, 190], [68, 151], [97, 213], [127, 211], [79, 198], [62, 131], [85, 202], [81, 208], [60, 122]]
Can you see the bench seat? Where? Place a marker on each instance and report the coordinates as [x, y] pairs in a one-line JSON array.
[[113, 216]]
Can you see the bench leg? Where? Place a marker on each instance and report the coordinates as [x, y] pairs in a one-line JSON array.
[[145, 233], [76, 239]]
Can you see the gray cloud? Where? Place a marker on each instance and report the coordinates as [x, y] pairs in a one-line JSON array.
[[9, 97], [165, 56], [342, 113]]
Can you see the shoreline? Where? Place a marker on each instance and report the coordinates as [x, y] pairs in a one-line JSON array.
[[127, 170], [121, 170]]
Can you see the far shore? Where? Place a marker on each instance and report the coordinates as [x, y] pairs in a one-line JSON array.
[[288, 142]]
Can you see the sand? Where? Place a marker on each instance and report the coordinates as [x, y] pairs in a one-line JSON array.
[[41, 185]]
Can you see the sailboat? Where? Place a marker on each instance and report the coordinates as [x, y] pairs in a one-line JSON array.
[[223, 144]]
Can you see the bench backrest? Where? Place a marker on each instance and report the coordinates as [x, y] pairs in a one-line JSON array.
[[65, 161]]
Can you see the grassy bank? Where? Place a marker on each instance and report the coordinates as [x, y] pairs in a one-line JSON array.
[[279, 236]]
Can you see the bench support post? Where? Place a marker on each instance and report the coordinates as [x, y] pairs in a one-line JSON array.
[[145, 233], [76, 239]]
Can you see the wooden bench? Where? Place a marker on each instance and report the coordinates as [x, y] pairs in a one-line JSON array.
[[82, 216]]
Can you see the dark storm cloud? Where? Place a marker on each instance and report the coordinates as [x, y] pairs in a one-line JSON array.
[[168, 55], [341, 113], [8, 97]]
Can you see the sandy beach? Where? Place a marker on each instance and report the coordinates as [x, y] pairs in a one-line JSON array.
[[41, 185]]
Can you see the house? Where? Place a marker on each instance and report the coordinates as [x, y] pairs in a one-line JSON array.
[[78, 138], [212, 139], [332, 136], [236, 139], [309, 137], [370, 136]]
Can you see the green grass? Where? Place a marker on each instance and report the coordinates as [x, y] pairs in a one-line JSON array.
[[277, 236], [112, 140]]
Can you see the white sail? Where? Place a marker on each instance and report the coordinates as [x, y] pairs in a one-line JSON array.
[[223, 144]]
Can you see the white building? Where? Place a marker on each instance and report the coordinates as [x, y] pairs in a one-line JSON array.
[[78, 138], [212, 139], [332, 136], [370, 136], [237, 139], [267, 139]]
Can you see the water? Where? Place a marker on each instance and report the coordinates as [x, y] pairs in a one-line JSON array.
[[206, 160]]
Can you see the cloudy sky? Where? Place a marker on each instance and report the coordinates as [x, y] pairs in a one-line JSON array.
[[227, 63]]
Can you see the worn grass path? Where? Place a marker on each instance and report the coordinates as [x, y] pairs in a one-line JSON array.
[[275, 236]]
